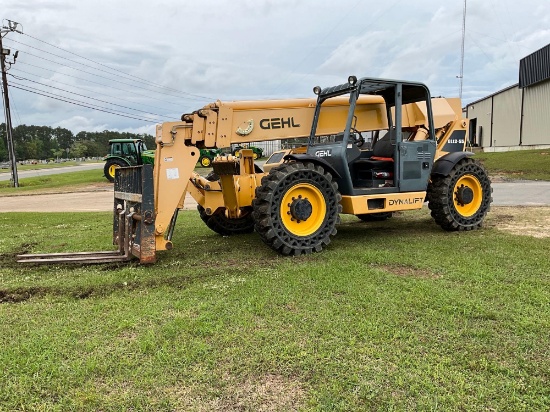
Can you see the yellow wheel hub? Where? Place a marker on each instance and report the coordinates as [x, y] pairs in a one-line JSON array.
[[205, 161], [467, 195], [303, 209], [112, 169]]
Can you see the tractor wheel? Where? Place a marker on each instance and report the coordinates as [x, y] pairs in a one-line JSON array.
[[460, 200], [254, 155], [110, 166], [205, 161], [225, 226], [297, 208], [375, 217]]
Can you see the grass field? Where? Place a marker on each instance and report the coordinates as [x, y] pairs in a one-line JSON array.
[[62, 180], [523, 164], [396, 315], [47, 165]]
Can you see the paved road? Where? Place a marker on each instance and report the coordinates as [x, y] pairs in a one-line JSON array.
[[504, 194], [522, 193], [52, 171]]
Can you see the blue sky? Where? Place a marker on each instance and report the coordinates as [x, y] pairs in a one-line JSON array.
[[160, 59]]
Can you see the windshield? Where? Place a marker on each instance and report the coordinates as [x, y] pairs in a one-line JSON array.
[[369, 116]]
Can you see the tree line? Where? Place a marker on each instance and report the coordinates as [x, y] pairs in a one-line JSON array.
[[45, 142]]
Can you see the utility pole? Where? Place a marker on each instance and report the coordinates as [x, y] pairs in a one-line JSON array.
[[461, 76], [12, 26]]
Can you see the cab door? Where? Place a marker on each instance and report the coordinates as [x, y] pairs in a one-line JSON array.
[[416, 160]]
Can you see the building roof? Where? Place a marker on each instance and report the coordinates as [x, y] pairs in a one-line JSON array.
[[494, 94], [535, 68]]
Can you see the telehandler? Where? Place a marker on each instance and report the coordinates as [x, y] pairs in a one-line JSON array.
[[417, 155]]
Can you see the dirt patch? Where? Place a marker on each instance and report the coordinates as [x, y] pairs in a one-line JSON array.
[[88, 187], [88, 198], [523, 221], [265, 393]]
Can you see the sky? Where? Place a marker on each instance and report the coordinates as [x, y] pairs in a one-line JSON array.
[[150, 62]]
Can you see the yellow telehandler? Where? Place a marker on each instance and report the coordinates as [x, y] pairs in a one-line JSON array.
[[416, 154]]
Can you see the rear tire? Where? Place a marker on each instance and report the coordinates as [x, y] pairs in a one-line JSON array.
[[297, 208], [225, 226], [460, 200], [110, 166]]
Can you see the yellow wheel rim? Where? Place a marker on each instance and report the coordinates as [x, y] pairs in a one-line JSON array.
[[237, 153], [255, 155], [112, 169], [467, 195], [303, 209], [205, 161]]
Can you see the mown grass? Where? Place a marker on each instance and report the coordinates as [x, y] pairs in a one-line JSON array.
[[396, 315], [522, 164], [42, 166], [62, 180]]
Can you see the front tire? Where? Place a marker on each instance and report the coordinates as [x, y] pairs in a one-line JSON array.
[[460, 200], [297, 208], [110, 166], [223, 225]]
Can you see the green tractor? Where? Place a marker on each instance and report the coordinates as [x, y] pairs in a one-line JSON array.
[[257, 152], [206, 157], [124, 153], [133, 152]]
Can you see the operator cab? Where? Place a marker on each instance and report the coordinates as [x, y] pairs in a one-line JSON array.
[[128, 149], [386, 144]]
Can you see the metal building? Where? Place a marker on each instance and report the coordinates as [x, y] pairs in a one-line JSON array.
[[517, 117]]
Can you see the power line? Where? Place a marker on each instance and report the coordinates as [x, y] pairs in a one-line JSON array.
[[82, 104], [119, 71], [88, 89], [88, 97], [103, 77], [15, 106], [99, 84]]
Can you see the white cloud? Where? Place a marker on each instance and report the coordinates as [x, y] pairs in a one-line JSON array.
[[256, 49]]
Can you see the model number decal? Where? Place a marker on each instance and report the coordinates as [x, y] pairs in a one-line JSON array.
[[456, 141]]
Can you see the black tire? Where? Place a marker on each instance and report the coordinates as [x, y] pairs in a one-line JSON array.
[[460, 200], [375, 217], [225, 226], [291, 195], [110, 166]]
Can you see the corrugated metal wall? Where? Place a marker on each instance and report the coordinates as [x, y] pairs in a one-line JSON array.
[[505, 124], [536, 114], [482, 112], [506, 118], [535, 67]]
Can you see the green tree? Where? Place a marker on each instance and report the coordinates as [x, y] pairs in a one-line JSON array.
[[4, 156], [78, 149]]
